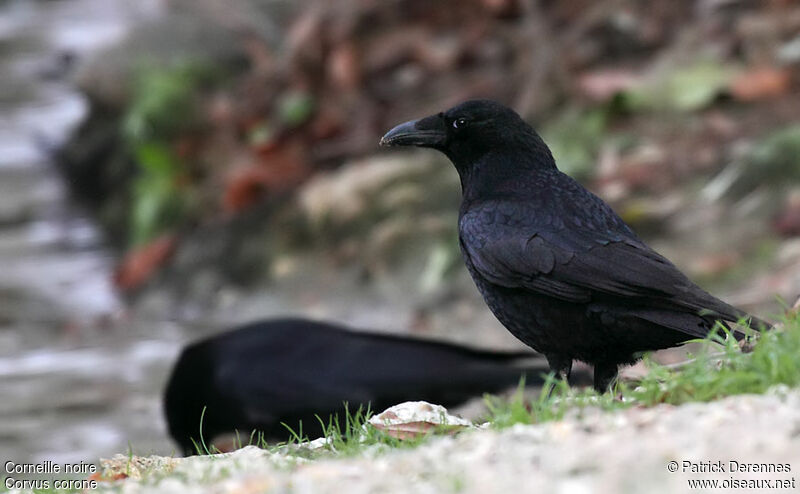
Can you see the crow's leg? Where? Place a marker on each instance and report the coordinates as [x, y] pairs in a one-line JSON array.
[[560, 365], [604, 375]]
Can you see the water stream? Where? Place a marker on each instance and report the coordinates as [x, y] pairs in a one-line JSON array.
[[77, 379]]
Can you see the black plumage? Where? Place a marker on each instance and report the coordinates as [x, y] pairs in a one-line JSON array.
[[292, 370], [556, 265]]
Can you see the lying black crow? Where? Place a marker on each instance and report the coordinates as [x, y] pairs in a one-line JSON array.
[[553, 261], [292, 370]]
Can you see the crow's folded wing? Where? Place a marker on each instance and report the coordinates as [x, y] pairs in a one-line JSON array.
[[585, 265]]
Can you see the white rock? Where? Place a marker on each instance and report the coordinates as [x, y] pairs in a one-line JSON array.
[[417, 411]]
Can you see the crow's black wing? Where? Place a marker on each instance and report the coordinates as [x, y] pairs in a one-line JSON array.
[[579, 264]]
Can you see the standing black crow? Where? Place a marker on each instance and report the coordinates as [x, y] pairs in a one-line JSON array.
[[553, 261], [292, 370]]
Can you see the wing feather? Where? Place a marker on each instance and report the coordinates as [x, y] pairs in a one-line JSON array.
[[580, 266]]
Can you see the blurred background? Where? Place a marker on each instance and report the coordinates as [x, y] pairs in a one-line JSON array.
[[170, 168]]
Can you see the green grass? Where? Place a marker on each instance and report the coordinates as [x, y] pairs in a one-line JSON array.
[[718, 370], [347, 438], [342, 438]]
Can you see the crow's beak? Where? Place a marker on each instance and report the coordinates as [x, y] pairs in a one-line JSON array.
[[425, 132]]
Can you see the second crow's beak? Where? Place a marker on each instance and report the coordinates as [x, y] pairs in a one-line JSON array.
[[425, 132]]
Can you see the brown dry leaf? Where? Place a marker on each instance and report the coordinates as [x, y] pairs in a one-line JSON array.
[[286, 165], [327, 123], [277, 167], [761, 83], [98, 477], [244, 187], [141, 263]]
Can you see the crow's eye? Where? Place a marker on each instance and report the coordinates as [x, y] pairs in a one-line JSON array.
[[460, 123]]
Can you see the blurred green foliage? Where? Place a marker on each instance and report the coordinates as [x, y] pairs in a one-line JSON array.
[[576, 134], [772, 161], [165, 101], [575, 137], [683, 89], [164, 106], [775, 159], [295, 108], [158, 203], [261, 134]]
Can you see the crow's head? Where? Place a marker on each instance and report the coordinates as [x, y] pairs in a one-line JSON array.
[[468, 131]]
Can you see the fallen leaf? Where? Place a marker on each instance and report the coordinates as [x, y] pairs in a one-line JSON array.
[[141, 263], [111, 478], [98, 477], [326, 124], [277, 167], [244, 188], [761, 83]]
